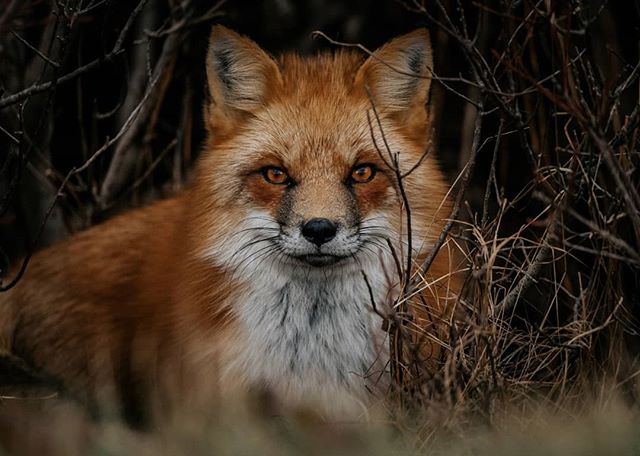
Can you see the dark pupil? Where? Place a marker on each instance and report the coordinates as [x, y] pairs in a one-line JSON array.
[[362, 171]]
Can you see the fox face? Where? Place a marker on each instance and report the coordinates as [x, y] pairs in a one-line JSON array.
[[306, 154], [321, 194]]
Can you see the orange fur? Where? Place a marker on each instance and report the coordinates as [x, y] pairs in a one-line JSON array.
[[139, 309]]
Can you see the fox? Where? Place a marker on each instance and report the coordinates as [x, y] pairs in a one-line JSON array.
[[276, 267]]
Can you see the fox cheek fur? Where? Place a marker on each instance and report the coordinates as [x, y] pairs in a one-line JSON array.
[[261, 274]]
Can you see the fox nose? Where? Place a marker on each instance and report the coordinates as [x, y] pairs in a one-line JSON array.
[[319, 230]]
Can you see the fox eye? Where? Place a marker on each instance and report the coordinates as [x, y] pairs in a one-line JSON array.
[[275, 175], [361, 174]]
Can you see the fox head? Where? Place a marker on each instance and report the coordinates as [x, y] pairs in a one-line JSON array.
[[307, 158]]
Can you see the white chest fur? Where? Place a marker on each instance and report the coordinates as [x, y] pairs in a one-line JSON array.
[[311, 335]]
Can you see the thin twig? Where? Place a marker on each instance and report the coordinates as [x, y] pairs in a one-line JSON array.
[[43, 87]]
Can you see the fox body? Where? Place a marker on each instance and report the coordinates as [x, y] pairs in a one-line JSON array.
[[273, 269]]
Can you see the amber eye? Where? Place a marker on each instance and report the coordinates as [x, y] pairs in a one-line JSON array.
[[275, 175], [363, 173]]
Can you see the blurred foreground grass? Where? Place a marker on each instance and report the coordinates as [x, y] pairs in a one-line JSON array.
[[59, 429]]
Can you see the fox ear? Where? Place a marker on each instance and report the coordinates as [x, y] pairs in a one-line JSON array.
[[240, 75], [399, 73]]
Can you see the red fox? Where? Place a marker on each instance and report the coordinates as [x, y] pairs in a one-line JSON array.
[[274, 269]]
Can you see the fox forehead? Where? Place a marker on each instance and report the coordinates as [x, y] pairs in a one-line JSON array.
[[300, 137], [316, 117]]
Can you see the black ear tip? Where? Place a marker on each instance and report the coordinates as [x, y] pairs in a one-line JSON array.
[[419, 41], [222, 36], [420, 33], [418, 51], [220, 30], [415, 59]]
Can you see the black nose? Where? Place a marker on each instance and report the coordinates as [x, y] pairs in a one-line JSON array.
[[319, 230]]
